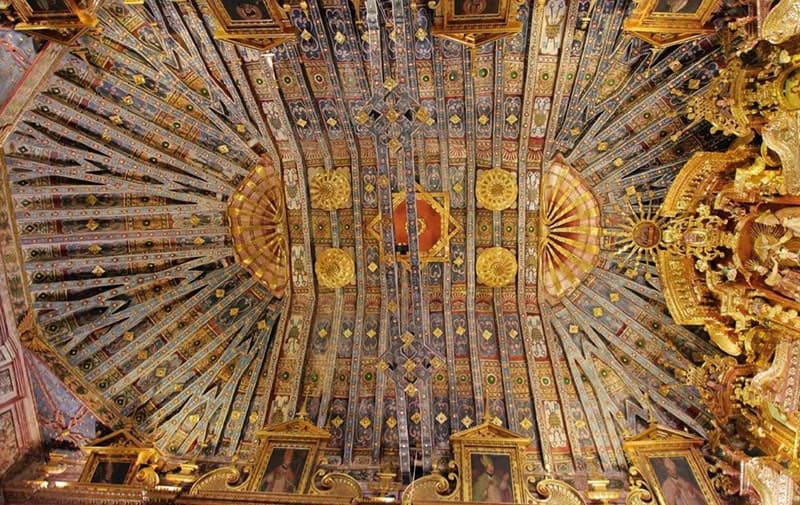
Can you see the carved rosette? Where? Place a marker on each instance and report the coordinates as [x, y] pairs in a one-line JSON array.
[[335, 268], [496, 267], [496, 189], [329, 190]]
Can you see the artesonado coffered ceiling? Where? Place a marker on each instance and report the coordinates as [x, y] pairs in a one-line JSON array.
[[376, 222]]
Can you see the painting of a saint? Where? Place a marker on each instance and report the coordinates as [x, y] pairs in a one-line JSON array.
[[491, 478], [476, 7], [48, 5], [284, 469], [246, 10], [677, 6], [678, 484], [111, 472]]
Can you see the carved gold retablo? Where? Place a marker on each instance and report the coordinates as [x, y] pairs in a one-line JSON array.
[[329, 190], [335, 268], [496, 267], [496, 189]]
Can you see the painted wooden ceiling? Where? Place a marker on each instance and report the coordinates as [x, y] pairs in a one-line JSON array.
[[122, 170]]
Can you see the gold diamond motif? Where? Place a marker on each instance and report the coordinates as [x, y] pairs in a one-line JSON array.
[[91, 199], [441, 418], [407, 338], [437, 332], [486, 334], [339, 37], [199, 241], [95, 249], [389, 84], [526, 423], [262, 325], [614, 297], [369, 188], [337, 421], [305, 35], [98, 270], [421, 34], [371, 333], [92, 225], [467, 421], [365, 422], [511, 119], [372, 266], [128, 335], [332, 122], [409, 365], [115, 119], [233, 312], [322, 332], [512, 333], [458, 261], [597, 311], [423, 114], [347, 333], [142, 355], [460, 330], [457, 187], [362, 117], [436, 362], [455, 119], [161, 372], [219, 293], [394, 145], [392, 115], [416, 418], [410, 390], [483, 119], [223, 149], [573, 329], [391, 422], [302, 123], [382, 366]]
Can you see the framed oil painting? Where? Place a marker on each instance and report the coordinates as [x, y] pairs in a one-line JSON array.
[[287, 459], [489, 457], [671, 463], [667, 22], [115, 459], [260, 24]]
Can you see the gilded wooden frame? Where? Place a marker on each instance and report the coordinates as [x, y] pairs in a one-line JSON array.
[[299, 441], [666, 22], [476, 447], [260, 24], [114, 459], [654, 450]]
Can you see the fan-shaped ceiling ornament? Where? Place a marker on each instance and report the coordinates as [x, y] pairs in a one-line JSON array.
[[329, 190], [496, 267], [496, 189], [570, 230], [335, 268], [258, 227]]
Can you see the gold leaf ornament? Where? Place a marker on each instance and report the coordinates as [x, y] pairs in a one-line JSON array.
[[496, 189], [496, 267], [329, 190], [335, 268]]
